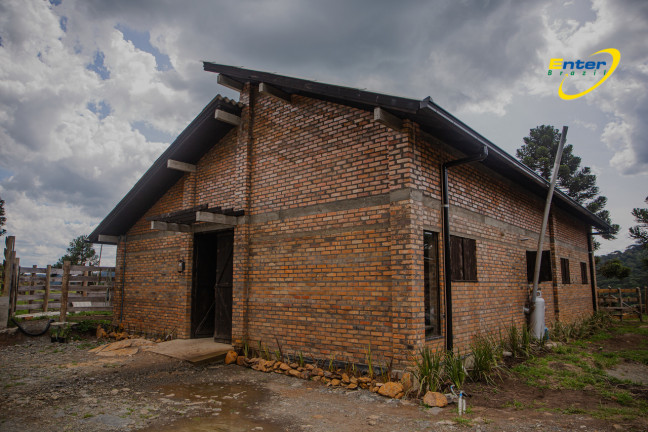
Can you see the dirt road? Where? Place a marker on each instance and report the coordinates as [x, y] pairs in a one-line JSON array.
[[63, 387]]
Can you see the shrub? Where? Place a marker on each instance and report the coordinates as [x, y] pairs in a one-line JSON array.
[[429, 370]]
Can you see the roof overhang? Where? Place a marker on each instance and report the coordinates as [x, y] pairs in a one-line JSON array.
[[188, 147], [431, 118]]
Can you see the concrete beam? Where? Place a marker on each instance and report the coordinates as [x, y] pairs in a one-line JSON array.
[[229, 83], [216, 218], [274, 92], [181, 166], [226, 117], [108, 239], [388, 119], [168, 226]]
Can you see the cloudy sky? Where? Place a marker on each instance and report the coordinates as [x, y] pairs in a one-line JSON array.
[[91, 92]]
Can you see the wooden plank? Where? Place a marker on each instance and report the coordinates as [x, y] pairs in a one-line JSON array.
[[216, 218], [226, 117], [103, 238], [93, 308], [388, 119], [89, 268], [64, 291], [31, 270], [229, 83], [181, 166], [48, 280], [267, 89], [168, 226], [30, 297]]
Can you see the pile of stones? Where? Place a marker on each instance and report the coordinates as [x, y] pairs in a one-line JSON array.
[[337, 378]]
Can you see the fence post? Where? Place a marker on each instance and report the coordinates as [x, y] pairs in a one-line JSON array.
[[48, 279], [31, 284], [84, 284], [639, 308], [620, 305], [5, 297], [8, 265], [15, 282], [65, 286]]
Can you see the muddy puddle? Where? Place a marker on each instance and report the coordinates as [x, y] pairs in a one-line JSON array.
[[223, 407]]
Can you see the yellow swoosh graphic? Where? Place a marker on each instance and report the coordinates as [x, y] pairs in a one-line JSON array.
[[616, 58]]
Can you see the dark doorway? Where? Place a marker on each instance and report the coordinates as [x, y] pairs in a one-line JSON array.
[[211, 304]]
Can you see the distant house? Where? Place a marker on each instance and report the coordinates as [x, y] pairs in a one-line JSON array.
[[312, 215]]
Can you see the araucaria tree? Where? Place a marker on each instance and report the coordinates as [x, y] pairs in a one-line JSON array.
[[3, 219], [80, 252], [539, 153], [640, 232]]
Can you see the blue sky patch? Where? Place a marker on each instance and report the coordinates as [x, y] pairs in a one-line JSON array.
[[102, 109], [98, 67], [142, 41], [63, 23], [55, 2], [151, 133]]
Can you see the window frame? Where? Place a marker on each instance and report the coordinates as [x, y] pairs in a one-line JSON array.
[[427, 296], [584, 277], [546, 273]]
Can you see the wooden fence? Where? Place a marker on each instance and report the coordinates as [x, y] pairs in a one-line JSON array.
[[621, 301], [73, 288]]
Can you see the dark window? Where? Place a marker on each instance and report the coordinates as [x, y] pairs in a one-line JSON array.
[[545, 266], [432, 292], [564, 268], [584, 272], [463, 254]]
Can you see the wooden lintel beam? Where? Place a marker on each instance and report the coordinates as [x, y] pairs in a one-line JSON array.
[[229, 83], [273, 91], [388, 119], [108, 239], [181, 166], [216, 218], [226, 117], [168, 226]]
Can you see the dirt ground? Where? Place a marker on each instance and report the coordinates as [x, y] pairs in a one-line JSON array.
[[63, 387]]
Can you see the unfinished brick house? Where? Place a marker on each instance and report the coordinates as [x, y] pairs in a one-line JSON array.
[[312, 215]]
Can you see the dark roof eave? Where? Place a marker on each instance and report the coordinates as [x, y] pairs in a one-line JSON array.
[[187, 147]]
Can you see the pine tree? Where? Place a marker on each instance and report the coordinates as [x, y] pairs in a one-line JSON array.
[[640, 232], [80, 252], [539, 153]]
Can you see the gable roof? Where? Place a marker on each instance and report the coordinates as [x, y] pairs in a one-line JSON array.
[[189, 146], [204, 131]]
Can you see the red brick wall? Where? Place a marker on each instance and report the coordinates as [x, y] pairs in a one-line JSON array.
[[330, 259]]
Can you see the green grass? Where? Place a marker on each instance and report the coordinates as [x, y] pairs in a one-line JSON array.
[[580, 365]]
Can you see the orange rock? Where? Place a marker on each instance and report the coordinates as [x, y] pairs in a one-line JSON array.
[[101, 333], [231, 357], [435, 399], [391, 389], [241, 361]]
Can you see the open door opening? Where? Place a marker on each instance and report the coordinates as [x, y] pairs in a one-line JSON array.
[[211, 301]]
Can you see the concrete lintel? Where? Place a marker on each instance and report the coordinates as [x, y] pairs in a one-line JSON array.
[[108, 239], [181, 166], [168, 226], [226, 117], [269, 90], [216, 218], [388, 119], [207, 227], [229, 83]]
